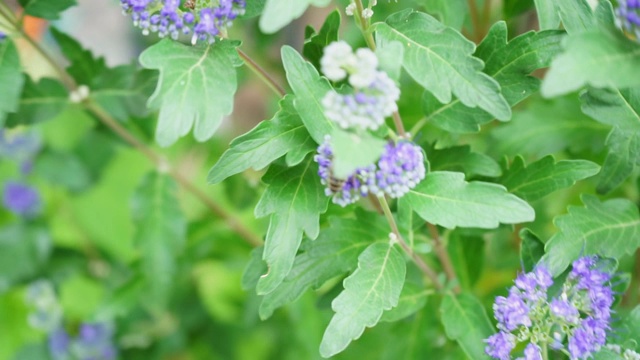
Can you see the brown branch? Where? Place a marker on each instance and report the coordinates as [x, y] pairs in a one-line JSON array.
[[262, 74], [443, 255]]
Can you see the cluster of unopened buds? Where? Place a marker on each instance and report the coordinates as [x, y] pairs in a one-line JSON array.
[[204, 20], [574, 320], [629, 16]]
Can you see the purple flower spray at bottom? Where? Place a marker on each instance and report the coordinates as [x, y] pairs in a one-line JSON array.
[[577, 320]]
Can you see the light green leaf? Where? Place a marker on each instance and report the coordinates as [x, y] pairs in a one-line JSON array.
[[450, 12], [315, 43], [390, 55], [12, 80], [445, 199], [84, 68], [40, 102], [309, 89], [254, 8], [295, 199], [531, 249], [606, 354], [279, 13], [461, 158], [373, 288], [466, 321], [547, 14], [545, 176], [23, 252], [600, 58], [412, 298], [196, 87], [609, 229], [46, 9], [440, 59], [333, 253], [160, 233], [283, 135], [352, 151], [509, 63]]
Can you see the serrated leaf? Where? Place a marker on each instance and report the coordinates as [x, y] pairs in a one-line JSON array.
[[450, 12], [196, 87], [609, 229], [466, 321], [622, 159], [160, 233], [279, 13], [445, 199], [509, 63], [601, 58], [123, 91], [12, 80], [333, 253], [531, 249], [352, 151], [40, 102], [315, 43], [412, 298], [373, 288], [295, 199], [46, 9], [461, 158], [440, 59], [84, 68], [547, 15], [545, 176], [309, 89], [283, 135]]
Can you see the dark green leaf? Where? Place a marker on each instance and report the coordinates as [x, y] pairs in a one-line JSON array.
[[545, 176], [12, 80], [314, 45], [196, 87], [84, 68], [295, 199], [46, 9], [333, 253], [160, 233], [531, 249], [23, 252], [283, 135], [510, 63], [279, 13], [513, 8], [373, 288], [40, 102], [62, 169], [440, 59], [461, 158], [445, 199], [609, 229], [309, 89], [467, 256], [466, 321]]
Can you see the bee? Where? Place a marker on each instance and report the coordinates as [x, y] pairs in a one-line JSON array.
[[190, 4], [335, 184]]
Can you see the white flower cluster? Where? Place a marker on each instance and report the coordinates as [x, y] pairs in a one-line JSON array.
[[374, 96], [366, 13]]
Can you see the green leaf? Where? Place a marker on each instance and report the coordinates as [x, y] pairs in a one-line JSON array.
[[547, 14], [467, 256], [309, 89], [279, 13], [373, 288], [600, 58], [254, 8], [450, 12], [196, 87], [160, 233], [283, 135], [606, 354], [12, 80], [461, 158], [445, 199], [390, 55], [352, 151], [332, 254], [531, 249], [46, 9], [576, 15], [412, 298], [545, 176], [23, 252], [466, 321], [440, 59], [509, 63], [621, 109], [295, 199], [315, 43], [40, 102], [513, 8], [609, 229], [84, 68], [123, 91]]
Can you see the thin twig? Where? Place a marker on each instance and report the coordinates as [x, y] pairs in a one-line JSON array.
[[262, 74], [428, 271], [443, 255]]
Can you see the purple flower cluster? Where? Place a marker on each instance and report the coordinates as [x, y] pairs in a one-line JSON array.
[[94, 341], [2, 36], [21, 199], [205, 20], [399, 169], [629, 16], [580, 314], [18, 197]]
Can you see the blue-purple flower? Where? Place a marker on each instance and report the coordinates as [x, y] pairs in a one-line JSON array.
[[628, 12], [577, 319], [2, 36], [21, 199], [58, 342]]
